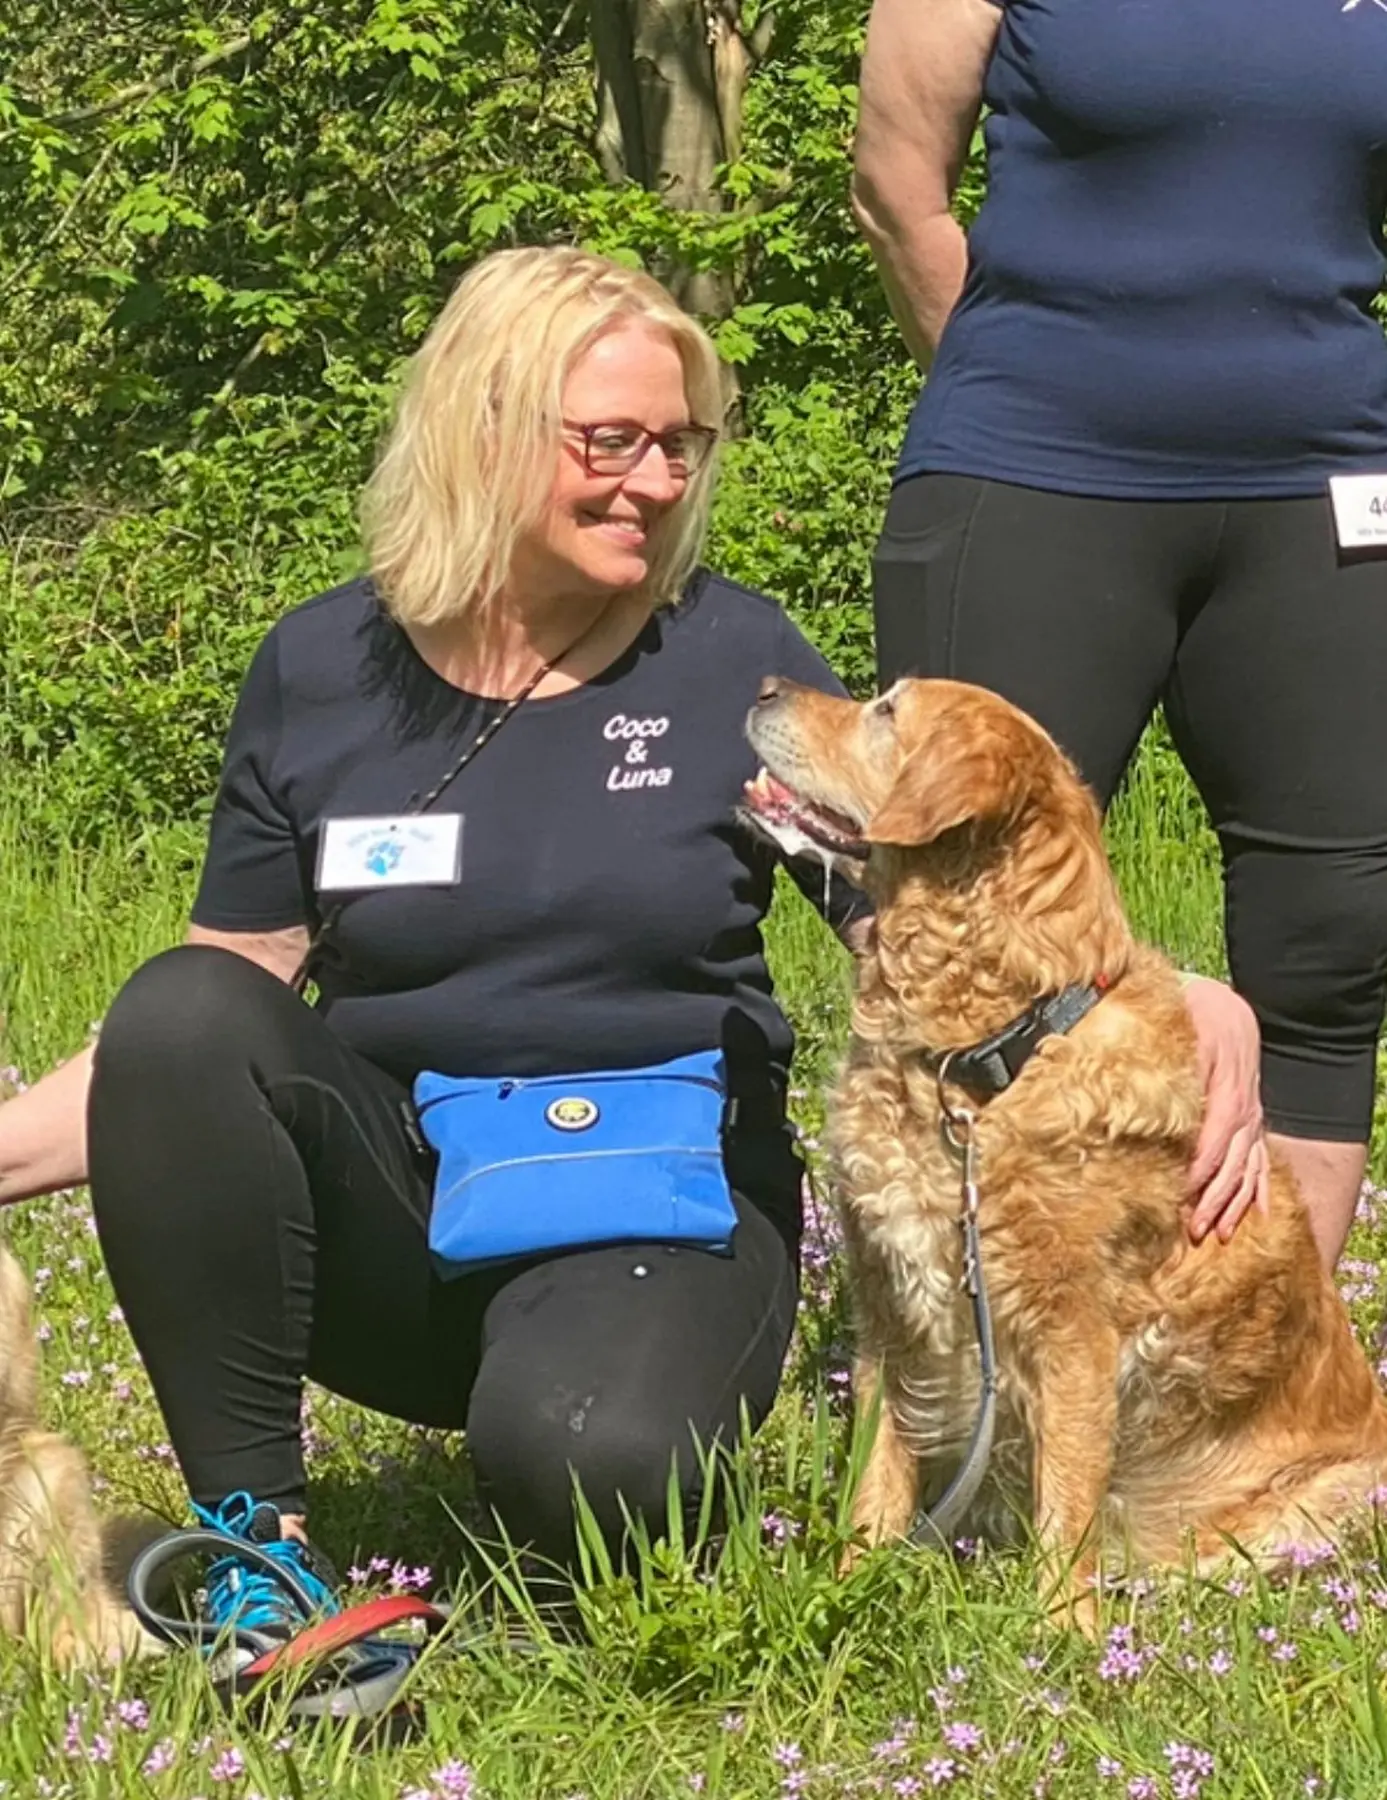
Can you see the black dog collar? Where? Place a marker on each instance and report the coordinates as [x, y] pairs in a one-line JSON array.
[[990, 1067]]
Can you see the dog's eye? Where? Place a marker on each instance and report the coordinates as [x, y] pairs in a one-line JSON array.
[[885, 708]]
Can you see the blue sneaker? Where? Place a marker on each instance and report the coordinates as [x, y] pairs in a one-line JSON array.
[[264, 1606]]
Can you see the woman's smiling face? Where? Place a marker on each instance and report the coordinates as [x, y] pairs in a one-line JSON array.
[[597, 533]]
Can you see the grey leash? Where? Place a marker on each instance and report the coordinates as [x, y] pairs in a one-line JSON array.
[[936, 1528]]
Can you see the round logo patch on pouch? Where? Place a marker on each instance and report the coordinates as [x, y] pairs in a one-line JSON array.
[[575, 1112]]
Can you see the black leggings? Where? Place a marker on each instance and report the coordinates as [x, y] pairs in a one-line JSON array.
[[263, 1218], [1270, 654]]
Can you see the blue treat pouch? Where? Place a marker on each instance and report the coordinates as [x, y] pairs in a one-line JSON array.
[[533, 1165]]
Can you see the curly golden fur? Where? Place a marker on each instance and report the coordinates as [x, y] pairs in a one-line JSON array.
[[52, 1548], [1153, 1392]]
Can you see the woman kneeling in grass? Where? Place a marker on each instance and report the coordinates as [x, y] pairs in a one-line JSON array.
[[487, 797]]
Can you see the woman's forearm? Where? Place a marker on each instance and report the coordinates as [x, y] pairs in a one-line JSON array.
[[43, 1133], [922, 264]]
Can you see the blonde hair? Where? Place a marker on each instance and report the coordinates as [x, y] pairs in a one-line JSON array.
[[469, 462]]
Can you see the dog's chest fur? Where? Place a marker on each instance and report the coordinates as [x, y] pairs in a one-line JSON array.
[[901, 1189]]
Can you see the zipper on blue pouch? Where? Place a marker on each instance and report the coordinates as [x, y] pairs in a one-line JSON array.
[[511, 1084], [594, 1080]]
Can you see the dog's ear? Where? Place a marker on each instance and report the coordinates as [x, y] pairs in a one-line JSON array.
[[973, 767]]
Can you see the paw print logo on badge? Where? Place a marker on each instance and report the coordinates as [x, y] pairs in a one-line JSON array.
[[383, 856]]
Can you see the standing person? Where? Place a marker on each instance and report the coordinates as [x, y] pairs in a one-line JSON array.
[[1150, 361]]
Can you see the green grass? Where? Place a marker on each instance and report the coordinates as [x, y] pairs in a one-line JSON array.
[[753, 1672]]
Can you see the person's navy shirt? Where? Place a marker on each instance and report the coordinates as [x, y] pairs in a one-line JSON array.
[[1171, 278], [609, 909]]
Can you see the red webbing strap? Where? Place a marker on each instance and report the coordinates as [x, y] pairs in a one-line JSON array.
[[341, 1630]]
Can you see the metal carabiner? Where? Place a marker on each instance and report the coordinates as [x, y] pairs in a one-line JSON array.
[[957, 1123]]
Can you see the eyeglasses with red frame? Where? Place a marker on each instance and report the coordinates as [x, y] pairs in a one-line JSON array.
[[617, 446]]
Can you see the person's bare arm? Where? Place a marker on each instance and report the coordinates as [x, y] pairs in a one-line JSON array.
[[921, 92], [43, 1131]]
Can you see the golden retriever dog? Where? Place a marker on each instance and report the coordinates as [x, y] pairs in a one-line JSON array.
[[51, 1543], [1153, 1393]]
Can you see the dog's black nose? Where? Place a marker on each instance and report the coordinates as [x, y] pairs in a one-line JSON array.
[[769, 690]]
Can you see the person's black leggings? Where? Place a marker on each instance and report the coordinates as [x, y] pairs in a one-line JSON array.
[[1270, 654], [263, 1217]]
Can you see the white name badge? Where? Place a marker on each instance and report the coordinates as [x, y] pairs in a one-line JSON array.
[[1360, 510], [414, 850]]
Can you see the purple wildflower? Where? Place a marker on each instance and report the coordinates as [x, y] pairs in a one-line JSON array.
[[229, 1765], [1121, 1660], [161, 1757]]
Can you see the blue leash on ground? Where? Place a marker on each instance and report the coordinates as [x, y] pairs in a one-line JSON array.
[[270, 1613]]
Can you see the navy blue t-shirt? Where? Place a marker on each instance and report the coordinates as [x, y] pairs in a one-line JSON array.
[[1170, 279], [610, 903]]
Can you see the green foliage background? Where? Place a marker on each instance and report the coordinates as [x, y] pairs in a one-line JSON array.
[[223, 228]]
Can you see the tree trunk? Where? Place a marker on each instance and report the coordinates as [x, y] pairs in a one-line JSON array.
[[671, 79]]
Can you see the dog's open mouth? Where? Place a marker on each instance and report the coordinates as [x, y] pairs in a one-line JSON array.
[[797, 823]]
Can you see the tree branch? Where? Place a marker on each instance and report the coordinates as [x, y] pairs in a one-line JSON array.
[[157, 84], [735, 56], [59, 225]]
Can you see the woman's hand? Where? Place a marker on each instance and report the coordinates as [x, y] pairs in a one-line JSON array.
[[859, 935], [1229, 1172]]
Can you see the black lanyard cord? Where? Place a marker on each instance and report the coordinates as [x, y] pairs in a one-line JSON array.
[[328, 924]]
